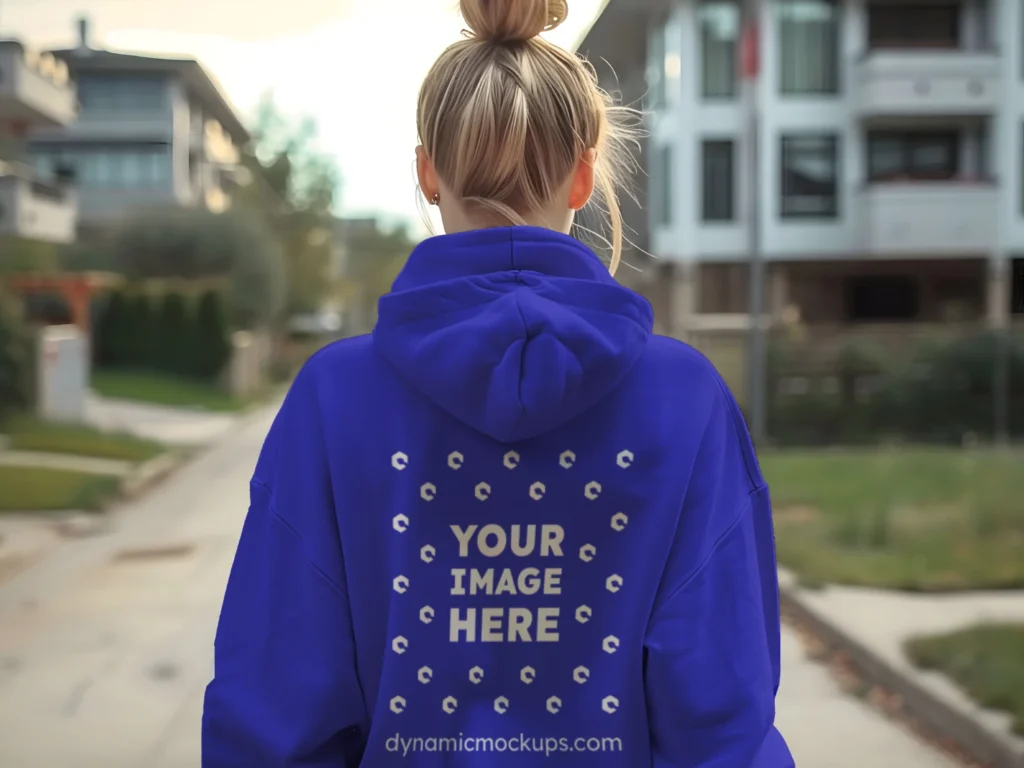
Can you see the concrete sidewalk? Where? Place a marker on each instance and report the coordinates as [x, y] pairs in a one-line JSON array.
[[879, 622], [170, 426], [827, 728], [105, 651], [86, 464]]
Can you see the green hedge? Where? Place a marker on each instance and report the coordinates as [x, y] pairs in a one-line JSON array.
[[17, 364], [170, 333], [937, 392], [211, 336]]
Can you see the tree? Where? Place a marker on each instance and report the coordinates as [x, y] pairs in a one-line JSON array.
[[21, 255], [195, 244], [374, 257], [294, 185], [274, 243]]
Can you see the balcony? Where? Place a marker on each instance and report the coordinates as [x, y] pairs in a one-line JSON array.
[[926, 82], [910, 218], [33, 209], [34, 89], [208, 140]]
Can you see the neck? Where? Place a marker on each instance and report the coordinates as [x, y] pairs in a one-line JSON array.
[[456, 220]]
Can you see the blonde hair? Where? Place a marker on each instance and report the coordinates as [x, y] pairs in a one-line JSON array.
[[505, 116]]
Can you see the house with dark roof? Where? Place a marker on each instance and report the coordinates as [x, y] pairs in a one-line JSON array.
[[151, 131]]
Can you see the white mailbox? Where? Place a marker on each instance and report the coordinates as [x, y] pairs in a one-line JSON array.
[[63, 379]]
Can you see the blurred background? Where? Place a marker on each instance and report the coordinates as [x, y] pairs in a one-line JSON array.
[[829, 205]]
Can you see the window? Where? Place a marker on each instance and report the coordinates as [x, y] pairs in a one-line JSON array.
[[122, 93], [717, 180], [1021, 176], [809, 176], [719, 31], [1017, 286], [45, 164], [105, 162], [661, 185], [913, 155], [984, 143], [808, 47], [913, 25], [882, 298], [132, 169], [109, 167], [656, 68]]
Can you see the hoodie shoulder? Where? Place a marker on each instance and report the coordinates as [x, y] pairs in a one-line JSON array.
[[689, 384], [678, 353], [679, 363], [331, 374], [343, 353]]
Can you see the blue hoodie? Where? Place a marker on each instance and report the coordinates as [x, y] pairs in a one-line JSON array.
[[511, 528]]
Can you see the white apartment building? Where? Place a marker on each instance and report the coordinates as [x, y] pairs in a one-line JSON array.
[[35, 92], [891, 157]]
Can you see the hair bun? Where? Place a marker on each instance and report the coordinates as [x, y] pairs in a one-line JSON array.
[[503, 21]]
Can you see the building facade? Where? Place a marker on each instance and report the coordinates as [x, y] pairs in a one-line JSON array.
[[150, 132], [35, 92], [890, 157]]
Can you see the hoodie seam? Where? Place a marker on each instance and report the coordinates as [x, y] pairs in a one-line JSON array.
[[712, 553], [278, 517], [522, 319]]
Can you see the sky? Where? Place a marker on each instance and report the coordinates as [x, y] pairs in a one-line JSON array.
[[354, 66]]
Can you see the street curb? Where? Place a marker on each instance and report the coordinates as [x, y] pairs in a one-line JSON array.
[[930, 710], [149, 473]]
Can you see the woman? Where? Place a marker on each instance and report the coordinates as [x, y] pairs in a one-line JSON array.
[[512, 527]]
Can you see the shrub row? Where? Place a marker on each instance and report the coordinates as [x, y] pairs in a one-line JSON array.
[[939, 392], [171, 333], [16, 359]]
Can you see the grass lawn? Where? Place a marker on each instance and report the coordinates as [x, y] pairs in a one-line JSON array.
[[914, 519], [33, 489], [165, 390], [986, 661], [28, 434]]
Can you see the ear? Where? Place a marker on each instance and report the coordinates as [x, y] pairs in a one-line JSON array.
[[429, 185], [583, 180]]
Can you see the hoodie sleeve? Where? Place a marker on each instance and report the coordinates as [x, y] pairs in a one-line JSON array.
[[712, 647], [285, 690]]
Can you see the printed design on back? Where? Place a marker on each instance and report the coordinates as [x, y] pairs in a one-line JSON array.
[[543, 545]]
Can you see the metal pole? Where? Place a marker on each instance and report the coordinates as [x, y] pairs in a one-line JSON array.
[[751, 66], [1001, 384]]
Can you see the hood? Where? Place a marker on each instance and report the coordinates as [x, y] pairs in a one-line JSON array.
[[514, 330]]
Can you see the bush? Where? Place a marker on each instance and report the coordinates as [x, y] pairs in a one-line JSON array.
[[114, 334], [210, 343], [143, 332], [142, 342], [191, 244], [16, 360], [938, 393], [170, 344]]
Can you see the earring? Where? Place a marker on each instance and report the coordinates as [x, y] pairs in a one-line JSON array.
[[436, 199]]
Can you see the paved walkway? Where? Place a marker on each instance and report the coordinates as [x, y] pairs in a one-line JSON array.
[[827, 728], [105, 649], [171, 426], [883, 621], [86, 464]]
